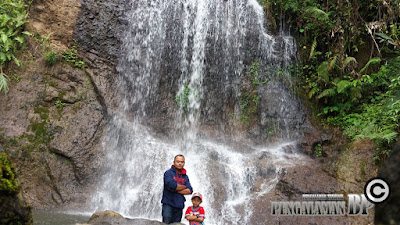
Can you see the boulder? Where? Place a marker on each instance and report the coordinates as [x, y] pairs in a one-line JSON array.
[[109, 217]]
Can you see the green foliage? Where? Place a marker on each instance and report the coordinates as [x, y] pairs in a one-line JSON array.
[[8, 182], [3, 83], [248, 105], [255, 78], [43, 112], [182, 100], [318, 150], [371, 61], [316, 13], [12, 35], [72, 58], [263, 2], [249, 99], [392, 36], [16, 78], [59, 104], [42, 39], [51, 57], [334, 37], [378, 118], [42, 134]]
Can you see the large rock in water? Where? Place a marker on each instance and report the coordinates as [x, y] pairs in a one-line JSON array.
[[13, 209], [110, 218]]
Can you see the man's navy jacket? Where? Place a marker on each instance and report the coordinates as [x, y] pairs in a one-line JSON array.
[[171, 180]]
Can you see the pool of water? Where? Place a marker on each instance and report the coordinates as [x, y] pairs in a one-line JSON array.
[[48, 217]]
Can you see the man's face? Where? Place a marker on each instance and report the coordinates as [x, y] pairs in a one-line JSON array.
[[179, 162]]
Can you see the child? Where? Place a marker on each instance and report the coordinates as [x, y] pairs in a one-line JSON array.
[[195, 213]]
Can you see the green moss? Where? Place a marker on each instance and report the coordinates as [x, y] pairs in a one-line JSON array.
[[43, 112], [61, 94], [248, 106], [318, 150], [8, 183], [41, 132], [15, 211], [11, 218], [21, 147], [52, 84]]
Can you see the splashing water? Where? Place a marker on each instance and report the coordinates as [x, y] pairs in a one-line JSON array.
[[197, 51]]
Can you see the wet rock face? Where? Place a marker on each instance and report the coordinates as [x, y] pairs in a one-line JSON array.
[[52, 133], [53, 118], [100, 26], [228, 51], [388, 212], [281, 114]]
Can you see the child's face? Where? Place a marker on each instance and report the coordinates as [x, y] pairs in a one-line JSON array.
[[196, 202]]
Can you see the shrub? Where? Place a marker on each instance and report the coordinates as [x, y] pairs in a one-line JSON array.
[[8, 183], [12, 35], [51, 57]]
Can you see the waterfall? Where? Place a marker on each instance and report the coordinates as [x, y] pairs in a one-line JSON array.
[[182, 71]]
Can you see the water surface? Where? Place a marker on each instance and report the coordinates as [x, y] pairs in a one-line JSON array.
[[49, 217]]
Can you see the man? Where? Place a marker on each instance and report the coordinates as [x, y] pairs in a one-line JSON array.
[[176, 185]]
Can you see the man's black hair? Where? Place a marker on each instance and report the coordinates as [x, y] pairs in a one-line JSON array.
[[178, 155]]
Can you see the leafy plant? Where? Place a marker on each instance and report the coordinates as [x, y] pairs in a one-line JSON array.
[[392, 36], [59, 104], [51, 57], [3, 83], [72, 58], [362, 99], [12, 35], [16, 78], [379, 118], [42, 39], [318, 150], [182, 99], [248, 105], [256, 80]]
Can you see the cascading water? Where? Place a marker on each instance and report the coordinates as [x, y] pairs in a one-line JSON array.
[[182, 67]]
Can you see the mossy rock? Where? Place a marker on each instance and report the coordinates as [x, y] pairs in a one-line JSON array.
[[8, 183], [13, 209]]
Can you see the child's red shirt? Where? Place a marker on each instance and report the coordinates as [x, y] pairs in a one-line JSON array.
[[199, 212]]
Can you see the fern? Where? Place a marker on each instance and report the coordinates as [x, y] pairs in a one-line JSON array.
[[348, 60], [327, 93], [332, 63], [3, 83], [375, 132], [316, 13], [371, 61], [323, 72], [355, 93], [384, 37], [313, 46], [343, 85], [313, 92]]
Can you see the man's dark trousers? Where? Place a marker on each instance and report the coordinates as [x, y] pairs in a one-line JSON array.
[[171, 214]]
